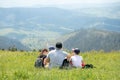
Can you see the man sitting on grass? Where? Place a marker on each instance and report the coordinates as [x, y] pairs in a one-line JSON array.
[[55, 58]]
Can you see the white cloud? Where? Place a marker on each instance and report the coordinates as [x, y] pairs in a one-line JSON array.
[[12, 3]]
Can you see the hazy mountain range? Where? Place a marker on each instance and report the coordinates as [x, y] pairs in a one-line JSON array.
[[35, 27]]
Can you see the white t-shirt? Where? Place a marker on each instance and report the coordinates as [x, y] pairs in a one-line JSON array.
[[56, 58], [76, 61]]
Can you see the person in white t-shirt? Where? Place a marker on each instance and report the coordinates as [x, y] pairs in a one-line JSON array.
[[76, 60]]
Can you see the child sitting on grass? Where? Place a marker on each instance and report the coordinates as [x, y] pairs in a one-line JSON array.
[[76, 60]]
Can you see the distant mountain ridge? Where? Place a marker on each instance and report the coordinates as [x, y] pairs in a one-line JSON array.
[[92, 39], [74, 19], [6, 43]]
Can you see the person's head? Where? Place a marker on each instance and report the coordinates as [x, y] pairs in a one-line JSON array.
[[58, 45], [44, 52], [51, 48], [76, 51]]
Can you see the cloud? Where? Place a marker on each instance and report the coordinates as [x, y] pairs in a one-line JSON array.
[[14, 3]]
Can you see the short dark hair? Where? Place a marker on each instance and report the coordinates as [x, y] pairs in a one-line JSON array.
[[76, 51], [59, 45]]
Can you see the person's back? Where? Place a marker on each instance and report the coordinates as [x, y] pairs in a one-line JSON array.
[[76, 60], [56, 57]]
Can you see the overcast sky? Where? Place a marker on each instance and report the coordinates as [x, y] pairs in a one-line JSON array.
[[27, 3]]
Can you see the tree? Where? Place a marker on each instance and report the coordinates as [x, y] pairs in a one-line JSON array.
[[12, 48]]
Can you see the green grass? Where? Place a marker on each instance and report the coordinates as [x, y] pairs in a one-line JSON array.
[[20, 66]]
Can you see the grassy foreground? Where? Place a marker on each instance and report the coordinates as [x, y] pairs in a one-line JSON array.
[[20, 66]]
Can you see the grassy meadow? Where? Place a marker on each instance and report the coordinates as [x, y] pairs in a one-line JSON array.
[[20, 66]]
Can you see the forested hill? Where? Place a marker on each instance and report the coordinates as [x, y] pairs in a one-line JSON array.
[[7, 43], [92, 39]]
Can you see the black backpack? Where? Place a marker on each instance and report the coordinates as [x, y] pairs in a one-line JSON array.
[[65, 64], [89, 66], [39, 63]]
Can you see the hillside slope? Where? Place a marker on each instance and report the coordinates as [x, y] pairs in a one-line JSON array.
[[92, 39], [6, 43]]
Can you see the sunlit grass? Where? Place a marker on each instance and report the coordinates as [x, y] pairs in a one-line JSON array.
[[20, 66]]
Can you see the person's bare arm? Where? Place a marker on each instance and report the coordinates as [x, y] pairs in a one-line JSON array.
[[83, 63], [68, 57], [46, 60]]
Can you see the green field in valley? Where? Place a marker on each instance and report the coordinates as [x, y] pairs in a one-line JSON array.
[[20, 66]]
